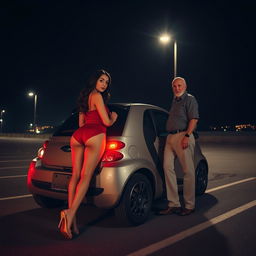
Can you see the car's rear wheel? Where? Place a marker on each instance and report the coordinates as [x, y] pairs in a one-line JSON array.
[[47, 202], [201, 177], [135, 205]]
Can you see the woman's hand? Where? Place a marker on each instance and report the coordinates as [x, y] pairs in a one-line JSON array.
[[113, 116]]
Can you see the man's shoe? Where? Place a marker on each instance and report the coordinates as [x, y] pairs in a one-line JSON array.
[[186, 211], [170, 210]]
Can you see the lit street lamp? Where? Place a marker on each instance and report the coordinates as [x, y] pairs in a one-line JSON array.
[[1, 119], [31, 94], [165, 39]]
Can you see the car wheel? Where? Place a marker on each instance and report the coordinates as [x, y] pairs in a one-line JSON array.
[[47, 202], [201, 177], [136, 201]]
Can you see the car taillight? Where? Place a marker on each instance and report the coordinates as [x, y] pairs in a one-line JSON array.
[[31, 170], [111, 154], [45, 144], [41, 150], [114, 145]]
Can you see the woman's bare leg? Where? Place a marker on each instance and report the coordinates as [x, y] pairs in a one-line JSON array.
[[77, 155], [93, 152]]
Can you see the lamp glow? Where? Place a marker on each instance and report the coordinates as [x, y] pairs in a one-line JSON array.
[[165, 39]]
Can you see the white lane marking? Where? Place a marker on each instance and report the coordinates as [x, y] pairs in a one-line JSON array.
[[9, 161], [15, 197], [191, 231], [229, 184], [14, 167], [15, 176]]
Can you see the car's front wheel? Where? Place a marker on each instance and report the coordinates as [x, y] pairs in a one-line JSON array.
[[47, 202], [135, 204], [201, 177]]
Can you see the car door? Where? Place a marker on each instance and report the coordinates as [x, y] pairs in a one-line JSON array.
[[159, 120]]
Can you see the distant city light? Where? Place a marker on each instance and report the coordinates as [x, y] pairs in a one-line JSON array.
[[40, 129], [237, 128]]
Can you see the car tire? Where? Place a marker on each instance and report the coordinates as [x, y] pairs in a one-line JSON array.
[[47, 202], [136, 201], [201, 177]]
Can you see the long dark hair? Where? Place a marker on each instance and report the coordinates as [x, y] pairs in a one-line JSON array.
[[82, 103]]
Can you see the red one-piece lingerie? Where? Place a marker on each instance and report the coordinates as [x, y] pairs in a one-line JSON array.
[[93, 126]]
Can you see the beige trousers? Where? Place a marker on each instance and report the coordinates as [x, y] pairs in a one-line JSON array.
[[172, 150]]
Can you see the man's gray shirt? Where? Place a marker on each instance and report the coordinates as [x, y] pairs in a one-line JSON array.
[[183, 109]]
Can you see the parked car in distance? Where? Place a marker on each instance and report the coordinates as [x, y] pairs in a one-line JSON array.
[[130, 175]]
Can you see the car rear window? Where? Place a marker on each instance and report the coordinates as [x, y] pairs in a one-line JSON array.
[[71, 124]]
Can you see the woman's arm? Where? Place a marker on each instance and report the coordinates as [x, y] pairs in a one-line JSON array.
[[81, 119], [98, 102]]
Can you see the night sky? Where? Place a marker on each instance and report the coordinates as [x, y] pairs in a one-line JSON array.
[[52, 46]]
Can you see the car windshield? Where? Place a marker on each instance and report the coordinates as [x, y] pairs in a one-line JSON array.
[[71, 124]]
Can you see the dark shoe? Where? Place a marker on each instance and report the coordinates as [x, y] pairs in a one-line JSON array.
[[186, 211], [170, 210]]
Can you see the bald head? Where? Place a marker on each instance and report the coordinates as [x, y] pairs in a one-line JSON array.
[[179, 86]]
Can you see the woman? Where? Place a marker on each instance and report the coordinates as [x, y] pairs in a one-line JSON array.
[[87, 145]]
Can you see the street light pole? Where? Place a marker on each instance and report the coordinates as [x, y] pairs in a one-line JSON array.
[[1, 119], [175, 59], [31, 94], [35, 105], [165, 39]]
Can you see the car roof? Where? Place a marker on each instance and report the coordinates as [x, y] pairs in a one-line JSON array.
[[131, 104], [137, 104]]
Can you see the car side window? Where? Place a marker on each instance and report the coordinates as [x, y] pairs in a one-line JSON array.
[[150, 135], [148, 127], [160, 119]]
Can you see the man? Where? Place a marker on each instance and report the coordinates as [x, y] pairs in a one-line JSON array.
[[180, 142]]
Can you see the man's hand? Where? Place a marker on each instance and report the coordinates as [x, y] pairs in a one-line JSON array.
[[185, 142]]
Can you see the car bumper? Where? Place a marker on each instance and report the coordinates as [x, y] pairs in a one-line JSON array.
[[104, 191]]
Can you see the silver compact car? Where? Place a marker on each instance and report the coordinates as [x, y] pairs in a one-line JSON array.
[[130, 175]]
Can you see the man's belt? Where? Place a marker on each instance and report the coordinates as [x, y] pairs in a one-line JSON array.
[[176, 131]]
